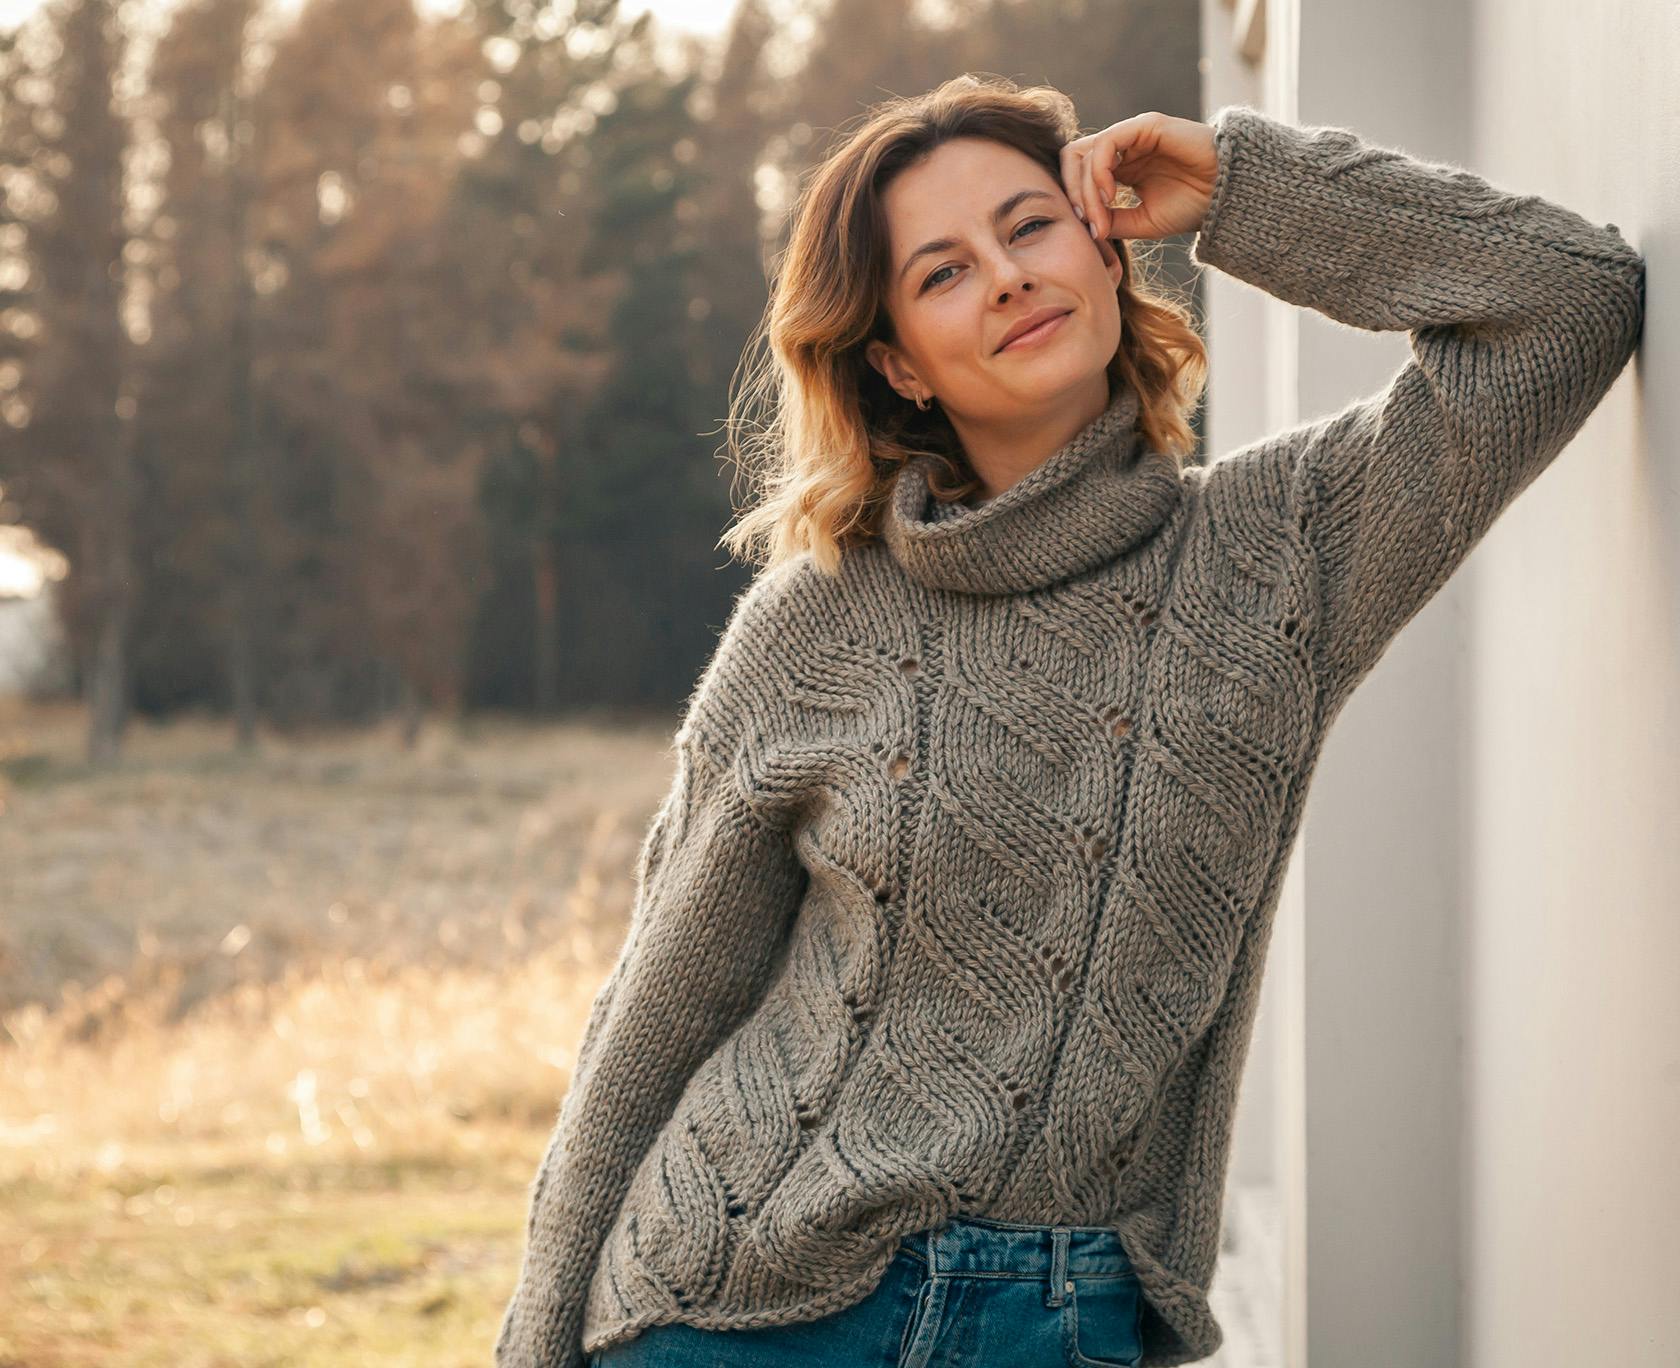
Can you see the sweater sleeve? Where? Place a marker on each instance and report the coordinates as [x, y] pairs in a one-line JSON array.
[[717, 885], [1521, 315]]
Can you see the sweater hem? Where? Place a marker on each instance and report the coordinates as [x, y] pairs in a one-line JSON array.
[[723, 1316]]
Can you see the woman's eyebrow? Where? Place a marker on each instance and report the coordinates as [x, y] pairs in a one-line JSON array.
[[945, 244]]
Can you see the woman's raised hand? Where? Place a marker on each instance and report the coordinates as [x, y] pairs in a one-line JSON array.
[[1170, 163]]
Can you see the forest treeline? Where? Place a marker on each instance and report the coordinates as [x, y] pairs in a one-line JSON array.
[[365, 361]]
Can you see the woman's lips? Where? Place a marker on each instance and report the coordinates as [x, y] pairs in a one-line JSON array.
[[1033, 336]]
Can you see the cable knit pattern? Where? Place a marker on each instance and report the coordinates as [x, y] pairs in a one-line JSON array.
[[959, 900]]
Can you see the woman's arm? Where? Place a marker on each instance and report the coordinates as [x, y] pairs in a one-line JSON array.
[[1522, 314], [717, 887]]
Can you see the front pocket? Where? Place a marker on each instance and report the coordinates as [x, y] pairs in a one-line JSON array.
[[1102, 1321]]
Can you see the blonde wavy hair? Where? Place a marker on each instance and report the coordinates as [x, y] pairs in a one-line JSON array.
[[839, 433]]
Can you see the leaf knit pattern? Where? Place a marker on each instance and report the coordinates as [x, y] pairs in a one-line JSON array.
[[959, 899]]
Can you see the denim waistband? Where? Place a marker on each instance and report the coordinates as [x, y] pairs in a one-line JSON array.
[[980, 1245]]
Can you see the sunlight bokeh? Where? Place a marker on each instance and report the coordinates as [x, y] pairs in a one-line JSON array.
[[695, 16]]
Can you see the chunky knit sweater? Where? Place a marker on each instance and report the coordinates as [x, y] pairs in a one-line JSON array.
[[959, 899]]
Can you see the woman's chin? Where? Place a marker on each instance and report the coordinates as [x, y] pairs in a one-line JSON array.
[[1058, 379]]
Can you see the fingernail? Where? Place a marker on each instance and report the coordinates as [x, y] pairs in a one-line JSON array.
[[1093, 228], [1079, 212]]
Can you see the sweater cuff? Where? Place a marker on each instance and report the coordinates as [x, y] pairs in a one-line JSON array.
[[1261, 206]]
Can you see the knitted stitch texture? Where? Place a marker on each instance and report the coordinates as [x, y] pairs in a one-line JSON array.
[[959, 900]]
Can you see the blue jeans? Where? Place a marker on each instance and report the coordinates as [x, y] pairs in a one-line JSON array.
[[973, 1292]]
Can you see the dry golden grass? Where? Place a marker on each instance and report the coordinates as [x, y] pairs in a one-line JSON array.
[[283, 1035]]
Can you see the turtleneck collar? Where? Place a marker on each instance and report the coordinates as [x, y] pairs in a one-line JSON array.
[[1085, 504]]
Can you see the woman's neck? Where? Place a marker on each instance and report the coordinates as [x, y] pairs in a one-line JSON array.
[[1001, 454]]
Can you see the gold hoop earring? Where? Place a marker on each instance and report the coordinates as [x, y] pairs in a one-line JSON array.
[[922, 401]]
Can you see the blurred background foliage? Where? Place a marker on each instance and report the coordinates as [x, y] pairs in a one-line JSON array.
[[362, 361]]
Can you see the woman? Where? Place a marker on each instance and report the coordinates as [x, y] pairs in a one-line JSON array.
[[924, 1042]]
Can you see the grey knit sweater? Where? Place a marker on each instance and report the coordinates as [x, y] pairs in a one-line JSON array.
[[960, 897]]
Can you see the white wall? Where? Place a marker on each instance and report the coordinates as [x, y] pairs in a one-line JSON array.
[[1474, 1069], [1386, 855], [1572, 1148]]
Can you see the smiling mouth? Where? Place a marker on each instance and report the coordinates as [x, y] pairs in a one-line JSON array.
[[1032, 334]]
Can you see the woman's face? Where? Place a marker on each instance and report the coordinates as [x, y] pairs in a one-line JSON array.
[[1001, 240]]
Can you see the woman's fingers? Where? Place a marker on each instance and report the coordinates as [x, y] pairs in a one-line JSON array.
[[1102, 184], [1096, 213], [1102, 180], [1090, 167], [1073, 171], [1169, 163]]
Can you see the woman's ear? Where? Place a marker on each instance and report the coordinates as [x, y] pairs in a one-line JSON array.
[[887, 360]]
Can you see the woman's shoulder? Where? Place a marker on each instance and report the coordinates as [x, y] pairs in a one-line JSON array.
[[777, 597], [771, 614], [795, 609], [796, 595], [1247, 493]]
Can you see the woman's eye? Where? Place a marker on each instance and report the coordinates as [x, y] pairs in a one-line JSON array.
[[933, 279]]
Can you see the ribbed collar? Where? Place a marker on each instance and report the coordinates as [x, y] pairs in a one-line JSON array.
[[1085, 504]]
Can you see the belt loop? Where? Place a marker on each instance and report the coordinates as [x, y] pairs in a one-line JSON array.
[[1058, 1265]]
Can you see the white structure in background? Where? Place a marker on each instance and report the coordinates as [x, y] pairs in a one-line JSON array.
[[1463, 1099], [31, 645], [33, 656]]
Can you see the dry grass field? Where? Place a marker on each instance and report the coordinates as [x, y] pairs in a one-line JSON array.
[[282, 1035]]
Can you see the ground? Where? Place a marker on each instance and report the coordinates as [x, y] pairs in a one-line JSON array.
[[282, 1036]]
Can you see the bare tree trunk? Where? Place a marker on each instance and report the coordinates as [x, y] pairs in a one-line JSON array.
[[411, 713], [545, 571], [87, 276], [242, 457], [112, 551]]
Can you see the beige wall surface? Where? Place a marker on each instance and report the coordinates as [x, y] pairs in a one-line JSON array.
[[1572, 985], [1467, 1079]]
